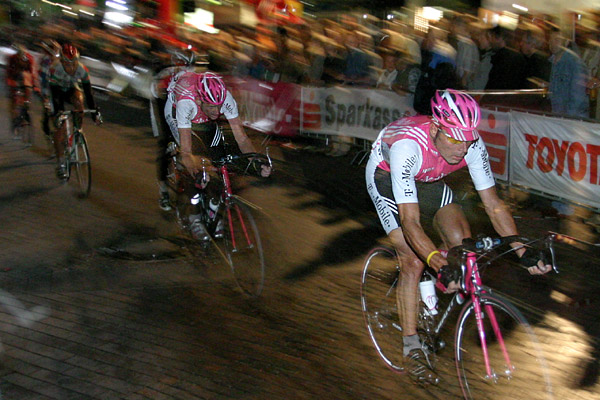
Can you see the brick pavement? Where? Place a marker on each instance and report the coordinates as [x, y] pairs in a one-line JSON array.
[[175, 328]]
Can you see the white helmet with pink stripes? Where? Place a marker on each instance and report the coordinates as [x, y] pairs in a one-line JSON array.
[[458, 112], [211, 88]]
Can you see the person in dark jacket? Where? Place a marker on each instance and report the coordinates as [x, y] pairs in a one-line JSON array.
[[508, 65]]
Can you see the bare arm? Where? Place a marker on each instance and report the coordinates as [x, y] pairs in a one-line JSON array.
[[241, 138], [499, 214], [416, 236], [504, 224], [245, 144], [192, 163]]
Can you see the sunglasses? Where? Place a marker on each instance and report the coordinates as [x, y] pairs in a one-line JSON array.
[[454, 141]]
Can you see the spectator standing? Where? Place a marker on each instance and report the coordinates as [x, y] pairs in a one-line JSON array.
[[334, 62], [508, 65], [537, 64], [289, 64], [357, 63], [467, 54], [568, 79], [479, 78], [387, 76], [440, 71], [313, 53], [409, 72]]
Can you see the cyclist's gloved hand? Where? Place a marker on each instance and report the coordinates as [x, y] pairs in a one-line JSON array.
[[446, 275], [265, 170], [452, 272], [260, 167], [535, 262]]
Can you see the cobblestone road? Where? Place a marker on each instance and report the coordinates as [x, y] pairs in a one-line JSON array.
[[104, 299]]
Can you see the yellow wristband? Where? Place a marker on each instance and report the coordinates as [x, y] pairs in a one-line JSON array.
[[433, 253]]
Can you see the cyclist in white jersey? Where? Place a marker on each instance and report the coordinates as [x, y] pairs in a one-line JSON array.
[[200, 99], [404, 179]]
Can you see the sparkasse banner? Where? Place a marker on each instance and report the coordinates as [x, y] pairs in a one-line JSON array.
[[349, 111], [556, 156]]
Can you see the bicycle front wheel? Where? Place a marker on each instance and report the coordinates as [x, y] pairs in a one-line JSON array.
[[378, 300], [244, 248], [518, 373], [23, 129], [80, 160]]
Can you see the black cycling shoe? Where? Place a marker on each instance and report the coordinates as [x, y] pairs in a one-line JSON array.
[[419, 369], [61, 172]]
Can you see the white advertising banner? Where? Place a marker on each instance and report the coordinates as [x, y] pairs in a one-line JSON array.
[[349, 111], [494, 129], [556, 156]]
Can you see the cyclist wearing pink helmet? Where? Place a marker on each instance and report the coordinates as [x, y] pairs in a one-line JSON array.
[[404, 178], [197, 100]]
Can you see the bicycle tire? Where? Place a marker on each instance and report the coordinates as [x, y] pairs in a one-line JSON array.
[[529, 377], [22, 127], [378, 300], [80, 159], [244, 248], [179, 202]]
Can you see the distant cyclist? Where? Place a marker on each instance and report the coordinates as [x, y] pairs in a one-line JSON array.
[[69, 83], [51, 52], [404, 176], [20, 75], [196, 101]]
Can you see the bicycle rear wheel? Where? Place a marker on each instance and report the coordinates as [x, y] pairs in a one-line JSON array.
[[378, 299], [244, 248], [525, 377], [80, 160]]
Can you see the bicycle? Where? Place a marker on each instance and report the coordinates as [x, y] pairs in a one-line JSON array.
[[21, 124], [496, 353], [240, 236], [76, 153]]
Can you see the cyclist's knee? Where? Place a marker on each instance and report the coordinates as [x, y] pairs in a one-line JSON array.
[[412, 266]]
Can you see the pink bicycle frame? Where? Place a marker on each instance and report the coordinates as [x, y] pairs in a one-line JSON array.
[[473, 286], [228, 193]]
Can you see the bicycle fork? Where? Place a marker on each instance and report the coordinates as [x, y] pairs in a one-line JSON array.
[[474, 286]]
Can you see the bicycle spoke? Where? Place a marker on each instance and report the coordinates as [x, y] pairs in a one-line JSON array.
[[378, 299], [525, 377], [244, 248]]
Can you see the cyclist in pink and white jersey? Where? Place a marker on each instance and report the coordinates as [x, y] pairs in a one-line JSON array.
[[197, 100], [404, 176]]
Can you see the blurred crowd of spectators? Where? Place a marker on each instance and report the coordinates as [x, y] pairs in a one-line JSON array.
[[459, 51]]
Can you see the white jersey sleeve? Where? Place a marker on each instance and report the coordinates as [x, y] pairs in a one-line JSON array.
[[478, 163], [186, 110], [229, 108], [406, 158]]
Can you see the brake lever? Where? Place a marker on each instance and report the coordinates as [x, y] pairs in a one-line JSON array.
[[269, 158], [548, 243]]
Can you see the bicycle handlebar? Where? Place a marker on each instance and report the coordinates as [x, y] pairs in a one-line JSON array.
[[484, 246], [65, 114], [231, 158]]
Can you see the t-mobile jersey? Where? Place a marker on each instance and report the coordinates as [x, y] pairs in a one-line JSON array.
[[406, 149], [182, 93]]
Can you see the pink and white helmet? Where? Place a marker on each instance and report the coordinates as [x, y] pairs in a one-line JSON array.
[[457, 112], [211, 88]]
